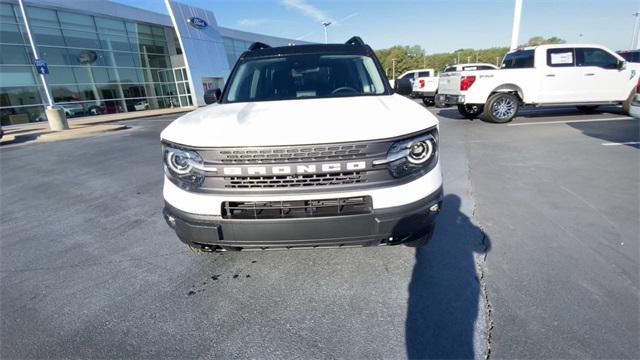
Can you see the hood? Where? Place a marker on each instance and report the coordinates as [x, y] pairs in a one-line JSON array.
[[299, 122]]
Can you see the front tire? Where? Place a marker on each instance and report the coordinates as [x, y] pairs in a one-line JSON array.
[[428, 101], [502, 107], [470, 111]]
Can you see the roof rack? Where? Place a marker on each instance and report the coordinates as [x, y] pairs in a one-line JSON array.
[[356, 40], [258, 46]]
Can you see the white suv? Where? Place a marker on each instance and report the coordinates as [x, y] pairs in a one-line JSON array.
[[583, 75], [307, 146]]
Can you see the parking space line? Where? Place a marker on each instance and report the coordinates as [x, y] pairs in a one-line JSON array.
[[621, 143], [572, 121]]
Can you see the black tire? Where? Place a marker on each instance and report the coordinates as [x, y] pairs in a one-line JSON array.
[[470, 111], [438, 103], [428, 101], [587, 108], [502, 107]]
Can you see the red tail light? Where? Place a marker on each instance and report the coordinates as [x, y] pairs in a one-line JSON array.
[[466, 82], [422, 83], [638, 86]]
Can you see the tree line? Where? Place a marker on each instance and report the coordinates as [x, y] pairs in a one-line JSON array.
[[414, 57]]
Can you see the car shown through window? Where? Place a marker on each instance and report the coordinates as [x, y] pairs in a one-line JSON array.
[[307, 146]]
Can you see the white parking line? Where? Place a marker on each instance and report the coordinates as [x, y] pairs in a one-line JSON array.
[[571, 121], [621, 143]]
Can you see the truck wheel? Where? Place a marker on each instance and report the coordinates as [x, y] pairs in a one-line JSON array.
[[423, 240], [470, 111], [502, 107], [438, 102], [427, 101], [587, 108]]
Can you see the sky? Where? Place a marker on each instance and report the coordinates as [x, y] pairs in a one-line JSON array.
[[436, 25]]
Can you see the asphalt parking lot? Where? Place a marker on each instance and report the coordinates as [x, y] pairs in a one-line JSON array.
[[536, 255]]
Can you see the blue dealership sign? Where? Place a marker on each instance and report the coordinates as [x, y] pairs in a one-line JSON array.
[[41, 66], [197, 23]]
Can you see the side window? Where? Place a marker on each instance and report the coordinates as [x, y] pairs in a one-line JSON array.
[[520, 59], [424, 74], [450, 69], [485, 67], [595, 57], [408, 76], [561, 57]]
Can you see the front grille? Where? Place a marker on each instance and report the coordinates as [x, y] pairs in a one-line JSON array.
[[290, 181], [296, 208], [292, 154]]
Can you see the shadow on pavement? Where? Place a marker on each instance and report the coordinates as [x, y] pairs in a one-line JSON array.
[[444, 293], [626, 131], [532, 113]]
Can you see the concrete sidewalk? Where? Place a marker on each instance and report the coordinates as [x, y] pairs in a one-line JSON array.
[[79, 127]]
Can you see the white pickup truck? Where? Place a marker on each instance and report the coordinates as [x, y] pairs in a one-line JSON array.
[[583, 75], [424, 83]]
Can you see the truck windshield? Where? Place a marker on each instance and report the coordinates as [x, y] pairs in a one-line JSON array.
[[304, 76], [518, 59]]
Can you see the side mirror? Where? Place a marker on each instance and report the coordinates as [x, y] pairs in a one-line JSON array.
[[622, 64], [403, 86], [212, 96]]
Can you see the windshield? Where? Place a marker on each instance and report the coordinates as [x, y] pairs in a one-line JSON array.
[[304, 76]]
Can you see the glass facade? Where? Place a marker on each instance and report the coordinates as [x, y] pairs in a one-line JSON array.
[[234, 48], [96, 65]]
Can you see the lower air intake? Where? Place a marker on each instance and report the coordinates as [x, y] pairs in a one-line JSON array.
[[297, 208]]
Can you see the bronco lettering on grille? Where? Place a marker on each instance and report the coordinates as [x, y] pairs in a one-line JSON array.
[[290, 169]]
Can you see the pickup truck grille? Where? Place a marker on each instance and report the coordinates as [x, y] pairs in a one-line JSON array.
[[296, 208], [292, 181], [292, 154]]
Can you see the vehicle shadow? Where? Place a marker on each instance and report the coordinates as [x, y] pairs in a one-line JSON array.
[[532, 113], [624, 132], [444, 292]]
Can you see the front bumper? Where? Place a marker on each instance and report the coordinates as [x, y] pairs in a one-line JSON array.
[[388, 226], [450, 99]]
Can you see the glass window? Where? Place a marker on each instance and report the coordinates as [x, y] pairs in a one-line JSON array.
[[126, 59], [158, 61], [103, 75], [408, 76], [47, 36], [10, 33], [450, 69], [110, 26], [17, 75], [88, 92], [132, 28], [518, 59], [304, 76], [561, 57], [54, 56], [18, 96], [128, 75], [60, 75], [424, 74], [115, 42], [63, 93], [20, 115], [595, 57], [179, 76], [43, 17], [81, 39], [6, 13], [15, 54], [81, 57], [82, 74], [76, 21]]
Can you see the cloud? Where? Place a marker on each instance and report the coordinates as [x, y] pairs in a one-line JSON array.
[[307, 9], [252, 22], [348, 17]]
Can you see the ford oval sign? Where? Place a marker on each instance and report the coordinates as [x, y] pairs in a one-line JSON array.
[[198, 23]]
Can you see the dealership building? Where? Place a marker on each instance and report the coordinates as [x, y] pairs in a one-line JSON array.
[[102, 57]]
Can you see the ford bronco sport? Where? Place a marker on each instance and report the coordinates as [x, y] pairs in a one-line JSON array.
[[306, 146]]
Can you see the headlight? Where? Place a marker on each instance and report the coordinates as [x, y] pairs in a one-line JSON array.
[[183, 167], [408, 156]]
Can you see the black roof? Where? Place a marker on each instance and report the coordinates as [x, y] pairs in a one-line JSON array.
[[354, 46]]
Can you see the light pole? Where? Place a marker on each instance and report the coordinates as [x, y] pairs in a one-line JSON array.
[[393, 69], [634, 41], [517, 11], [326, 25]]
